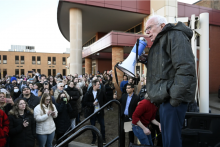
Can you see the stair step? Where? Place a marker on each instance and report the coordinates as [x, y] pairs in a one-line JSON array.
[[79, 144]]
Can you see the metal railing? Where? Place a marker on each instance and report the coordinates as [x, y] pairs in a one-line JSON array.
[[83, 129]]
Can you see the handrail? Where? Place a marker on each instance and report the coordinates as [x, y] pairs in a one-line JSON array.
[[79, 132], [85, 120]]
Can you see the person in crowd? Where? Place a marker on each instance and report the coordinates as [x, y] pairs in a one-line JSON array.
[[63, 121], [144, 113], [74, 95], [46, 85], [109, 87], [6, 104], [52, 81], [90, 84], [10, 86], [31, 86], [48, 92], [65, 83], [44, 113], [22, 130], [58, 80], [130, 81], [29, 97], [36, 88], [95, 98], [122, 85], [16, 93], [143, 90], [76, 75], [59, 90], [129, 103], [172, 78], [141, 83], [4, 125]]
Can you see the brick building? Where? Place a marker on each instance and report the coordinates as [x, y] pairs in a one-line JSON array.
[[20, 62]]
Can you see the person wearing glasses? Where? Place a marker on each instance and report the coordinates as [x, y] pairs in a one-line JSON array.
[[46, 85], [129, 102], [22, 130], [29, 97], [171, 74], [60, 89], [44, 113]]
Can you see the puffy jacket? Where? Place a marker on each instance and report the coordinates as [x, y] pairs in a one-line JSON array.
[[33, 101], [44, 123], [74, 96], [63, 119], [171, 73], [21, 136], [4, 128]]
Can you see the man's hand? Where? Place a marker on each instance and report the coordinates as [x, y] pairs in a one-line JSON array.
[[159, 126], [147, 131], [9, 101], [114, 96], [95, 103], [143, 58]]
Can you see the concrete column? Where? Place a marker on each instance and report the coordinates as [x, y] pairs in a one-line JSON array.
[[88, 65], [117, 56], [75, 41]]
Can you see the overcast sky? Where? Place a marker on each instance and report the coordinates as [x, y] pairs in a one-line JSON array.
[[34, 23]]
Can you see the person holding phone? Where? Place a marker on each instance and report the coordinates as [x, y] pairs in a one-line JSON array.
[[109, 87], [63, 121], [6, 103], [44, 113], [22, 130]]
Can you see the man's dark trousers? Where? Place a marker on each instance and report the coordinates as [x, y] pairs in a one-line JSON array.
[[100, 119], [171, 120], [131, 133]]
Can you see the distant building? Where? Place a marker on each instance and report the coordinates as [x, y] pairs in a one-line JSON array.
[[21, 59]]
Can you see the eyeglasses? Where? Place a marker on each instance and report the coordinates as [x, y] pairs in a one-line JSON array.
[[61, 86], [47, 99], [150, 27]]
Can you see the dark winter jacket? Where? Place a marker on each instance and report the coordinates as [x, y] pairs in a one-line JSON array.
[[171, 71], [89, 99], [109, 89], [4, 128], [142, 92], [74, 96], [7, 108], [21, 136], [16, 95], [33, 101], [63, 121]]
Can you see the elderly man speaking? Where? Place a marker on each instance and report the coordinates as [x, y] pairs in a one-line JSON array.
[[171, 75]]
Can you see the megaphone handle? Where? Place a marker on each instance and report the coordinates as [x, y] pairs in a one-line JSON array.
[[137, 45]]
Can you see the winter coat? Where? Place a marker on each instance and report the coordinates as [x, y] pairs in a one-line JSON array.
[[171, 70], [142, 93], [7, 108], [21, 136], [62, 121], [89, 99], [33, 101], [74, 96], [109, 91], [44, 123], [16, 95], [4, 128], [57, 92]]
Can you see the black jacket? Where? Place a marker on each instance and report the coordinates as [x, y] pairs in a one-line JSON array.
[[16, 95], [74, 96], [33, 101], [63, 121], [89, 99], [142, 92], [132, 106], [21, 136], [7, 108], [171, 73]]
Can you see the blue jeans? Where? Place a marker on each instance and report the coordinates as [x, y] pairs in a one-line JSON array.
[[100, 119], [143, 138], [45, 139], [171, 120]]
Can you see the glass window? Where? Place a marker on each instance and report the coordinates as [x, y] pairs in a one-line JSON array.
[[22, 71], [54, 60], [33, 60], [64, 72], [16, 71], [54, 72], [4, 59], [49, 72], [38, 60], [16, 59], [49, 61], [39, 71], [64, 60], [22, 59]]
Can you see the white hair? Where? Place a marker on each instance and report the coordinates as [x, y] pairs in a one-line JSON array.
[[59, 84], [94, 78], [159, 19]]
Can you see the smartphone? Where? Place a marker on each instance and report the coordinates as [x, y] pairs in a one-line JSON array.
[[7, 95], [26, 119], [30, 71]]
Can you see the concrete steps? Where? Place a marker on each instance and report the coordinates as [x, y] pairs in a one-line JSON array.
[[79, 144]]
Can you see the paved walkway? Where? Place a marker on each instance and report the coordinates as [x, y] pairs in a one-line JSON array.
[[214, 103]]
